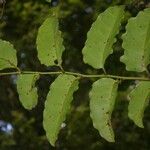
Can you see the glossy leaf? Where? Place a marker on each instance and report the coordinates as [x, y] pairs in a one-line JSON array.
[[57, 104], [136, 42], [8, 58], [101, 37], [27, 91], [139, 99], [102, 100], [49, 42]]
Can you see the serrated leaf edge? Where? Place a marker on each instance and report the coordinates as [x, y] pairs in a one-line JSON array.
[[109, 115], [76, 88]]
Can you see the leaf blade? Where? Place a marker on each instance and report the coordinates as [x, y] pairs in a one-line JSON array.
[[57, 105], [139, 98], [136, 42], [49, 42], [49, 1], [101, 37], [102, 100], [8, 58], [27, 90]]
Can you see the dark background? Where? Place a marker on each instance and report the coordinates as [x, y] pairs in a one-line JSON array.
[[21, 129]]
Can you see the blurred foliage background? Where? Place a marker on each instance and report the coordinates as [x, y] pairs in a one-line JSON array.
[[21, 129]]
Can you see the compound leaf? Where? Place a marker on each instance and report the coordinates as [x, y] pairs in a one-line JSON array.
[[101, 37], [49, 42], [8, 58], [102, 100], [139, 99], [136, 42], [27, 91], [57, 104]]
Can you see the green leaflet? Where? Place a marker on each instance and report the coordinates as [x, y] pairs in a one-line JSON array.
[[27, 91], [102, 100], [8, 58], [139, 99], [57, 104], [101, 37], [49, 1], [136, 42], [49, 42]]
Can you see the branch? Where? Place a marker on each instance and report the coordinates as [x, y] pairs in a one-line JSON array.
[[78, 75]]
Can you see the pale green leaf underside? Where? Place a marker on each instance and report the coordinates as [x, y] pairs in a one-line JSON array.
[[136, 42], [101, 37], [27, 91], [139, 99], [49, 42], [57, 104], [102, 100], [8, 58]]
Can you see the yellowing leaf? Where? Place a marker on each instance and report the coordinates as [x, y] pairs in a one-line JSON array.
[[101, 37], [136, 42], [57, 104], [49, 42], [139, 99], [8, 58], [102, 100], [27, 91]]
